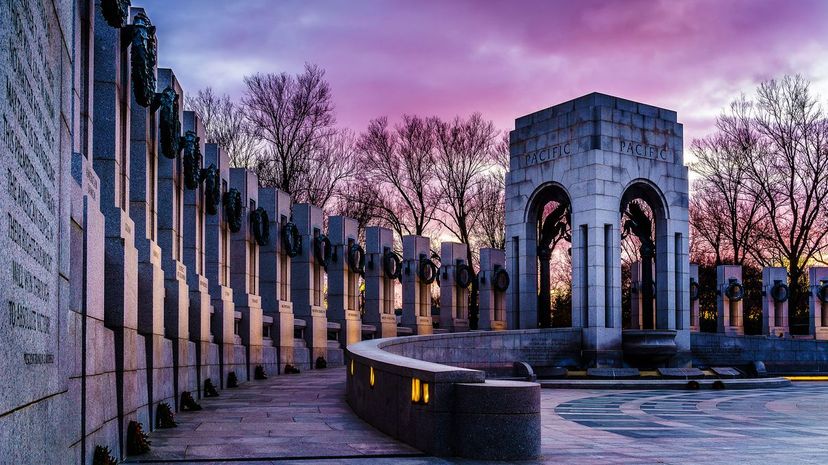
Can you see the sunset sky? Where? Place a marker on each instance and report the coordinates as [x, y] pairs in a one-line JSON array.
[[501, 58]]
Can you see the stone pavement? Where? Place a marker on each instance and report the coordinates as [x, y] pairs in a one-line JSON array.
[[304, 420]]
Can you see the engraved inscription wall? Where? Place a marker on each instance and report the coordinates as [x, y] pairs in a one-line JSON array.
[[30, 141]]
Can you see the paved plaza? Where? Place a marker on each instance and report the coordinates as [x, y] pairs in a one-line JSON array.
[[303, 419]]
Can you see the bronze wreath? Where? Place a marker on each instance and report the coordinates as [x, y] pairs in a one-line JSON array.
[[260, 225], [500, 279], [322, 250], [291, 239], [191, 160], [356, 259], [233, 209], [391, 265], [463, 275], [734, 290], [427, 271], [212, 188]]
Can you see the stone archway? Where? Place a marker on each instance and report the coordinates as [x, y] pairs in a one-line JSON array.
[[599, 152], [549, 217]]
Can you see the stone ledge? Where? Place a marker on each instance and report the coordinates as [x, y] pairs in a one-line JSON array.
[[443, 410]]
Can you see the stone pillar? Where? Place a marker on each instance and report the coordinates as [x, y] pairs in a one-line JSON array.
[[217, 248], [596, 283], [194, 254], [244, 274], [171, 241], [454, 293], [818, 280], [417, 292], [84, 236], [379, 286], [775, 293], [110, 156], [694, 297], [275, 274], [729, 302], [306, 279], [494, 282], [142, 208], [635, 295], [343, 279]]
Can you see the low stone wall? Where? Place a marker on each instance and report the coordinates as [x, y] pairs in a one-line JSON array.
[[444, 410], [494, 351], [779, 355]]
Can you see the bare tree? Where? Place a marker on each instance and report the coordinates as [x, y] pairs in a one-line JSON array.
[[708, 223], [789, 174], [292, 115], [465, 151], [397, 168], [728, 214], [491, 210], [226, 125], [331, 164]]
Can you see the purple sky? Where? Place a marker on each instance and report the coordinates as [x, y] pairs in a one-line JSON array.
[[502, 58]]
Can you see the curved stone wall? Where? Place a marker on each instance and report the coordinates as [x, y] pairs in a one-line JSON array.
[[395, 385]]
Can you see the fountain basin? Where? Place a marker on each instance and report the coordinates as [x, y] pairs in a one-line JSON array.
[[648, 348]]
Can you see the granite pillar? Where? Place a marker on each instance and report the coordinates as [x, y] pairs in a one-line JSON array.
[[493, 276], [343, 279], [217, 258], [194, 258], [171, 241], [306, 280], [729, 318], [775, 293], [274, 277], [379, 286], [818, 301], [111, 161], [151, 292], [694, 297], [454, 298], [416, 291], [244, 274]]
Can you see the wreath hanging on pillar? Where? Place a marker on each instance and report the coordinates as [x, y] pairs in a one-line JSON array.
[[291, 239], [463, 275], [391, 265], [427, 270], [822, 292], [780, 292], [322, 250], [356, 259], [212, 188], [500, 280], [115, 12], [192, 160], [694, 290], [734, 290], [169, 124], [260, 224], [233, 209], [144, 56]]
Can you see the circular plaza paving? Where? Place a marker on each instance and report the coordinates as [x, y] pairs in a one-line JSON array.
[[303, 419]]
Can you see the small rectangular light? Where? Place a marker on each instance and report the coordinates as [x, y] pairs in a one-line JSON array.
[[425, 393], [371, 378], [415, 390]]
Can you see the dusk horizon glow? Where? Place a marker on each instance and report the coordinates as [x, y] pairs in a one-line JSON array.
[[504, 61]]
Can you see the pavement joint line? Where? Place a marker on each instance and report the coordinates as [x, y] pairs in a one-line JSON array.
[[279, 459]]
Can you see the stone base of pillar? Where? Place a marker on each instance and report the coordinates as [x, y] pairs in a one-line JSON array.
[[351, 328], [316, 334], [821, 334], [776, 331], [284, 337], [387, 326], [458, 325], [423, 326]]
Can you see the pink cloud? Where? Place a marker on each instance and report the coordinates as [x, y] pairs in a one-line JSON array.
[[502, 58]]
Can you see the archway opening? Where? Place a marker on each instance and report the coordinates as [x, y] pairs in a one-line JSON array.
[[552, 217], [643, 257]]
